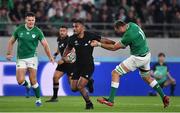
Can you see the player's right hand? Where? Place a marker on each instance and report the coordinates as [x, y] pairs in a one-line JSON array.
[[9, 57], [52, 60], [94, 43]]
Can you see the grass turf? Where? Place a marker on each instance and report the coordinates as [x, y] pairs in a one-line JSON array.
[[76, 104]]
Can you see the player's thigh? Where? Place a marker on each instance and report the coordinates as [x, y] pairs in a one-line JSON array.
[[57, 75], [126, 66], [144, 65], [74, 84], [32, 75], [167, 83], [20, 75], [82, 82], [32, 62]]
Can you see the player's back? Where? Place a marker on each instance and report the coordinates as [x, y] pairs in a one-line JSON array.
[[136, 39]]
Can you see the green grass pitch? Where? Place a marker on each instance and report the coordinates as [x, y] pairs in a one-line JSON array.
[[76, 104]]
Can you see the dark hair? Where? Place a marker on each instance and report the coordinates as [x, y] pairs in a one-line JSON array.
[[119, 23], [63, 26], [30, 14], [161, 54], [78, 21]]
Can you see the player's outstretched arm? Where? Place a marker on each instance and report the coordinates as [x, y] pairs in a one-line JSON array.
[[9, 53], [112, 47], [107, 41], [56, 53], [47, 50]]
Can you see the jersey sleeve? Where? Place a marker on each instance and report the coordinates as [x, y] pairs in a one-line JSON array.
[[125, 41], [41, 35], [95, 36], [15, 33]]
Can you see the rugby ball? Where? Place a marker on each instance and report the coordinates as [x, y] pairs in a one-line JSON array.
[[71, 56]]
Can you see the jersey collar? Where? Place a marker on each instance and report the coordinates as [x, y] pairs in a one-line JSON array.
[[28, 28]]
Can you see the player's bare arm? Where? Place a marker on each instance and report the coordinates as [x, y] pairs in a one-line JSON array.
[[9, 53], [107, 41], [47, 50], [112, 47]]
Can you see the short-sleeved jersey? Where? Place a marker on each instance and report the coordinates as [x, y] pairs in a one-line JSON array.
[[160, 70], [84, 51], [135, 38], [62, 43], [28, 40]]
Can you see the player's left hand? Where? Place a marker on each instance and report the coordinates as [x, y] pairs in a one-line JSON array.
[[94, 43]]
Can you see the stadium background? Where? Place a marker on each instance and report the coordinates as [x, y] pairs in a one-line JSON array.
[[160, 19]]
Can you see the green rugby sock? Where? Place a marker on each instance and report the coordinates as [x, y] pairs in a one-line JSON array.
[[112, 94], [114, 87], [25, 83], [157, 87], [36, 89]]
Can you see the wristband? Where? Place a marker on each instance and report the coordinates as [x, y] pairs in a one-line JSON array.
[[55, 54]]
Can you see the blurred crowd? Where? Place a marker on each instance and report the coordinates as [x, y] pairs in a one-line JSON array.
[[54, 12]]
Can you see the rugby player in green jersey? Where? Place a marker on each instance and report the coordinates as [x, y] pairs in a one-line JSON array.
[[28, 36], [160, 71], [134, 37]]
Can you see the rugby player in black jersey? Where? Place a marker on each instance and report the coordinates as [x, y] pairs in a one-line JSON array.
[[84, 65], [62, 67]]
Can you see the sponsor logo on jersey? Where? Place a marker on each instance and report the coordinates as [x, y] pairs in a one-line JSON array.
[[87, 76], [85, 44], [21, 35], [33, 35], [62, 45], [27, 33], [76, 43]]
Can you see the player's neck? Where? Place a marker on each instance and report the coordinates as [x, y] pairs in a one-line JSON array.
[[28, 28], [81, 35], [161, 63]]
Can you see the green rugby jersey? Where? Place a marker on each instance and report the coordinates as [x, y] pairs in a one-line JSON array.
[[135, 38], [28, 40]]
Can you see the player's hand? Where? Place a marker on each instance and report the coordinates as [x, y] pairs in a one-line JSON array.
[[9, 57], [60, 62], [52, 60], [94, 43]]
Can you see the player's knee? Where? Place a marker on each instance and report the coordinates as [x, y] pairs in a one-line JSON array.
[[173, 82], [20, 81], [34, 81], [119, 71], [115, 73], [55, 78], [145, 74], [80, 87]]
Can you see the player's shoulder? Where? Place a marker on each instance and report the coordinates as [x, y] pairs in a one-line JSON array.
[[165, 64], [37, 28], [22, 26], [88, 33], [72, 37]]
